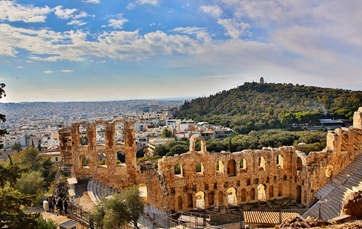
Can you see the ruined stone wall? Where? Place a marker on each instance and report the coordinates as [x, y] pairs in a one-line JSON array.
[[198, 179]]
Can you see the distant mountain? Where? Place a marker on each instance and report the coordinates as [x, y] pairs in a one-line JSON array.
[[255, 106]]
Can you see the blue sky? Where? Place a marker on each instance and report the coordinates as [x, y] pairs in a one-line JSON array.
[[86, 50]]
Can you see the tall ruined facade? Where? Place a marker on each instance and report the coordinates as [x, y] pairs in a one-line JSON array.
[[199, 179]]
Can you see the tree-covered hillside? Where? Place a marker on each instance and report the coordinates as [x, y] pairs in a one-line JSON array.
[[255, 106]]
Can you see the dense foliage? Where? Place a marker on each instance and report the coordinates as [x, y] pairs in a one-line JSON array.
[[255, 106], [305, 141]]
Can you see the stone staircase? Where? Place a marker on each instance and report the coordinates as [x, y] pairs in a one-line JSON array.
[[332, 195], [98, 190]]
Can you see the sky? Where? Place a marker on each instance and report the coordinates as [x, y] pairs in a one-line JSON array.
[[95, 50]]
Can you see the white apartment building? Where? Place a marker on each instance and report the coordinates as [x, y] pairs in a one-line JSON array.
[[13, 137]]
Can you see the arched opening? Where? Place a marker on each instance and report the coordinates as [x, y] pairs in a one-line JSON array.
[[232, 196], [142, 188], [100, 134], [280, 190], [84, 161], [83, 136], [119, 133], [252, 194], [298, 198], [189, 201], [280, 161], [102, 159], [179, 202], [200, 200], [199, 168], [231, 167], [120, 158], [243, 195], [271, 191], [210, 198], [299, 164], [177, 170], [243, 165], [220, 198], [261, 192], [304, 197], [219, 167], [261, 163]]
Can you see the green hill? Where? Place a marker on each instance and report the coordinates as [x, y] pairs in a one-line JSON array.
[[255, 106]]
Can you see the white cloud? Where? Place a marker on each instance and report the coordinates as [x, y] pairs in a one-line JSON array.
[[67, 71], [64, 13], [92, 1], [150, 2], [48, 72], [117, 23], [76, 22], [234, 29], [19, 67], [11, 11], [130, 6], [214, 11]]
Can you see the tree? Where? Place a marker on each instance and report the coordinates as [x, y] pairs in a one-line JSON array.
[[119, 210], [166, 133], [30, 183], [16, 146]]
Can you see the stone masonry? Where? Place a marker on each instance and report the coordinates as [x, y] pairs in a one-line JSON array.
[[199, 179]]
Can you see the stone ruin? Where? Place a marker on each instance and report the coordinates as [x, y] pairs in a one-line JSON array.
[[199, 179]]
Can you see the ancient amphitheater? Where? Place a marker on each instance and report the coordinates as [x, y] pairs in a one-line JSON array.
[[199, 179]]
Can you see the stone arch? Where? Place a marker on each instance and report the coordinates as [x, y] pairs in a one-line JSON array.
[[243, 195], [119, 132], [231, 167], [220, 167], [177, 169], [280, 190], [271, 191], [298, 196], [200, 200], [84, 161], [210, 198], [261, 192], [190, 203], [252, 194], [261, 163], [193, 139], [243, 166], [280, 161], [220, 198], [232, 200], [304, 196], [199, 168], [179, 202], [83, 134], [102, 159]]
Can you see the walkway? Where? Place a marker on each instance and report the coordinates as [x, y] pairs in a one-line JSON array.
[[332, 195]]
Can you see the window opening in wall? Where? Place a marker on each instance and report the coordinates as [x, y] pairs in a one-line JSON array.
[[231, 167], [219, 167], [231, 192], [120, 158], [100, 134], [142, 188], [261, 192], [243, 165], [189, 201], [200, 200], [199, 168], [280, 161], [267, 180], [248, 181], [119, 133], [215, 185], [256, 181], [285, 178], [177, 170], [252, 194], [299, 164], [298, 194], [261, 163], [84, 161], [206, 187], [83, 137], [102, 159]]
